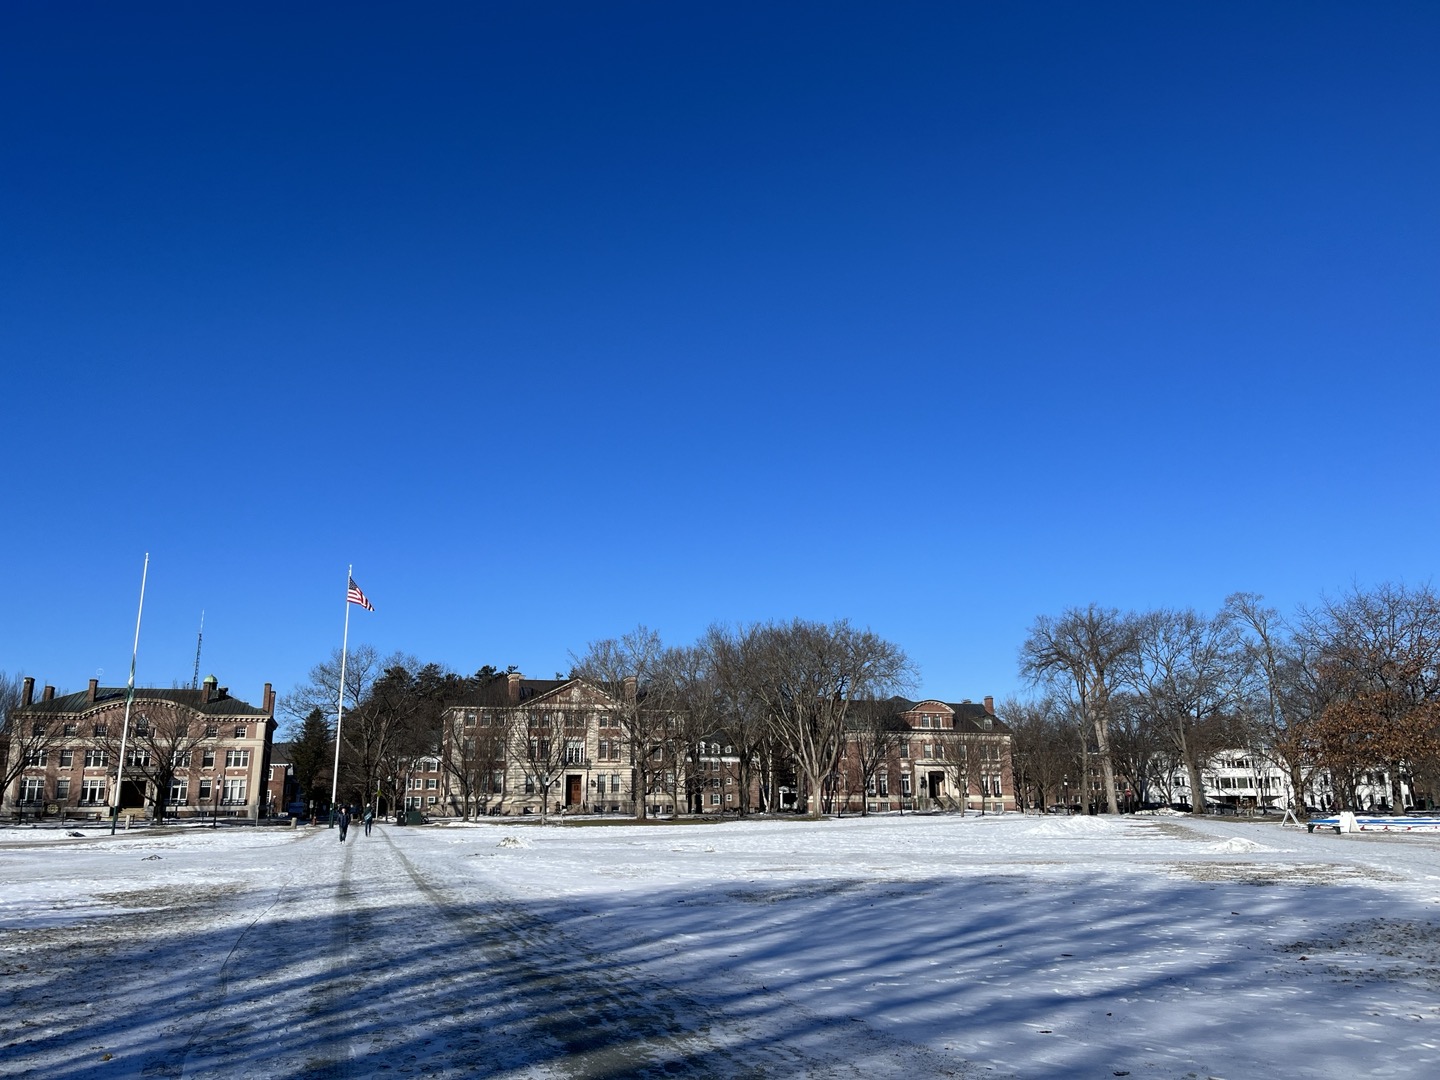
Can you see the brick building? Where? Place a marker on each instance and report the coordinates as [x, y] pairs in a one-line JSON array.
[[198, 752], [928, 755]]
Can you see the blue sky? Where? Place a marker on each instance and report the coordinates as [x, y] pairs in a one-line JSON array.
[[554, 319]]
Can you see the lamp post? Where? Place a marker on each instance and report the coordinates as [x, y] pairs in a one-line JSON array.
[[1067, 794]]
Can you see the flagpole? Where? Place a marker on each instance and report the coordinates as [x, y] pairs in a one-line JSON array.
[[340, 713], [129, 701]]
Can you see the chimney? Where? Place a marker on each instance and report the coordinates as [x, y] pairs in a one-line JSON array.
[[990, 704], [267, 700], [513, 681], [630, 686], [90, 693], [207, 690], [27, 691], [48, 694]]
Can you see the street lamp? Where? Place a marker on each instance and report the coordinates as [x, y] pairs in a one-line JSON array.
[[1067, 794]]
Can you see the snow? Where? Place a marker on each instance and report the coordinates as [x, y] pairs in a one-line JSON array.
[[998, 946]]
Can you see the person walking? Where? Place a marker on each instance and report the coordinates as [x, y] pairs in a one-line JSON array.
[[369, 819], [344, 822]]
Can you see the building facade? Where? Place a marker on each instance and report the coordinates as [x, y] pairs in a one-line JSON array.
[[188, 753], [543, 746], [1239, 781]]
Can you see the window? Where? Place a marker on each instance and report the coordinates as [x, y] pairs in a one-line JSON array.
[[882, 783], [179, 790], [96, 759], [182, 759], [925, 720], [67, 759], [142, 725], [72, 729], [92, 792], [929, 750], [205, 791], [101, 730], [431, 783], [574, 752], [236, 759], [602, 752], [469, 717], [905, 784], [36, 757], [207, 758], [212, 730], [714, 800], [62, 789], [139, 757], [240, 731], [904, 749], [615, 783], [529, 785], [234, 793], [33, 790], [497, 783]]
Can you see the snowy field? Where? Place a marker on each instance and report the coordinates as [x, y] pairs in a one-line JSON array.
[[916, 947]]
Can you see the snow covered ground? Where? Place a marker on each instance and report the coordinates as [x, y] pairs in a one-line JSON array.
[[885, 947]]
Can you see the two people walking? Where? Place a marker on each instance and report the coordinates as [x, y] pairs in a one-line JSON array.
[[346, 815]]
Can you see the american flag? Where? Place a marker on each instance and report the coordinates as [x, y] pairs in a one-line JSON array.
[[355, 596]]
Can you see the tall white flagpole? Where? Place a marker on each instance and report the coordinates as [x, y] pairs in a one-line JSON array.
[[129, 701], [340, 714]]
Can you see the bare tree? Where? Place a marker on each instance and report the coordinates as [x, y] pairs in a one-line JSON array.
[[29, 739], [631, 670], [1088, 654], [695, 700], [1286, 696], [321, 688], [1040, 748], [806, 675], [538, 742], [874, 733], [742, 716], [476, 750], [164, 736], [380, 735], [1189, 679]]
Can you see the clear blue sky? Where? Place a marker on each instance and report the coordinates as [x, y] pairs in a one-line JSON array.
[[558, 318]]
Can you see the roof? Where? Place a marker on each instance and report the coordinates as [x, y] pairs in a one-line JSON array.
[[79, 703], [969, 716], [496, 695]]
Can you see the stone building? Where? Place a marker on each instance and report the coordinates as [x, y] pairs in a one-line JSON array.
[[526, 746]]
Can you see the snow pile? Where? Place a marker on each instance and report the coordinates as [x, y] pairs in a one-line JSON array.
[[513, 841], [1072, 827], [1239, 845]]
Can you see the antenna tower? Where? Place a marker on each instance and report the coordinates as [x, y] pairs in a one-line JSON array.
[[199, 639]]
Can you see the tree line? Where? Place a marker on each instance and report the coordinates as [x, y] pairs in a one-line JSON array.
[[1347, 689]]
